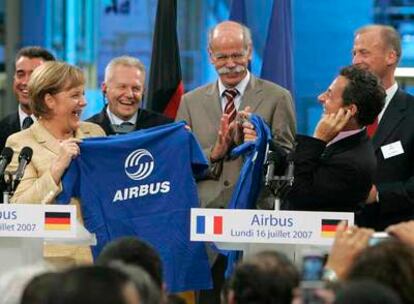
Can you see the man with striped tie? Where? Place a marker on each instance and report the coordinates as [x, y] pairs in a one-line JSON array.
[[212, 112]]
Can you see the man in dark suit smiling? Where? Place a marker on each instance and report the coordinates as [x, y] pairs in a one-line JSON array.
[[123, 88], [27, 59], [334, 168], [391, 199]]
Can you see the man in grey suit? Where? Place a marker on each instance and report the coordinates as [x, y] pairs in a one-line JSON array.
[[211, 110], [204, 109]]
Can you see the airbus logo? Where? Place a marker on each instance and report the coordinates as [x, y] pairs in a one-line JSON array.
[[139, 164]]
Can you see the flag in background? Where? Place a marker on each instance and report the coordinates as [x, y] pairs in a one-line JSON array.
[[165, 82], [238, 14], [277, 63], [238, 11]]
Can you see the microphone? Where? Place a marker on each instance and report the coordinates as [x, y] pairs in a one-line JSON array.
[[290, 175], [5, 158], [25, 157]]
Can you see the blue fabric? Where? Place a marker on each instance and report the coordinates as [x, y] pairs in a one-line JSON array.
[[277, 63], [251, 175], [238, 11], [155, 208], [250, 180]]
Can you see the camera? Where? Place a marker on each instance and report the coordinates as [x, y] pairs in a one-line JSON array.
[[313, 262], [377, 238], [312, 272]]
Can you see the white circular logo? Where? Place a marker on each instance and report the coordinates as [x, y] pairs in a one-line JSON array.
[[139, 164]]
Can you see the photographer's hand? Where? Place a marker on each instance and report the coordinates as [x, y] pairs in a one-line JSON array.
[[403, 231], [348, 244]]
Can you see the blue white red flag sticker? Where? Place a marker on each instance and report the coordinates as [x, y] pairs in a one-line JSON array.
[[211, 225]]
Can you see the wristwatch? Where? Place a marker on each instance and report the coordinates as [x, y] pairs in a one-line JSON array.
[[329, 275]]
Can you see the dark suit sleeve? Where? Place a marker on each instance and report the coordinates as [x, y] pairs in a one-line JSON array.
[[396, 174], [396, 196], [317, 181], [9, 125]]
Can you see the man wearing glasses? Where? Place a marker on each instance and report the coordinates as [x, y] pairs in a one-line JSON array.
[[211, 110]]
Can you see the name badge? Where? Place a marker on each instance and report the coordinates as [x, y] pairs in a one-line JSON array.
[[392, 149]]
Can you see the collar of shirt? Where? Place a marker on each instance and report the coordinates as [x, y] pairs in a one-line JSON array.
[[23, 115], [390, 94], [344, 134], [115, 120], [241, 87]]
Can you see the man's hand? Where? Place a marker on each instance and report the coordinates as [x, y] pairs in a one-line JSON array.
[[244, 129], [348, 244], [224, 140], [403, 231], [372, 196], [331, 124]]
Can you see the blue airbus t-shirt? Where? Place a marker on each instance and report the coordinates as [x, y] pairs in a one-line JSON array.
[[250, 180], [142, 184]]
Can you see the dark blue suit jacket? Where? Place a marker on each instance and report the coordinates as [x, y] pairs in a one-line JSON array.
[[8, 126], [395, 175], [337, 177]]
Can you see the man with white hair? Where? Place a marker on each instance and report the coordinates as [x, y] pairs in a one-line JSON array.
[[123, 88]]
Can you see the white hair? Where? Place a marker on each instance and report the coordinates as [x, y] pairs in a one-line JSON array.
[[124, 61]]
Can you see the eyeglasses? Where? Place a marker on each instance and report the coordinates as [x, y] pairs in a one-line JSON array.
[[234, 57]]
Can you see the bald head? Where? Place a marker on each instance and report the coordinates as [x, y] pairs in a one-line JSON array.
[[230, 50], [229, 30]]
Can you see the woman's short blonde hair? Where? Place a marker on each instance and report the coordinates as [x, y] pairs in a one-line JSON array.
[[51, 78]]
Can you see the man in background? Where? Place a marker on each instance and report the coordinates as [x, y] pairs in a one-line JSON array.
[[391, 199], [27, 59], [123, 87]]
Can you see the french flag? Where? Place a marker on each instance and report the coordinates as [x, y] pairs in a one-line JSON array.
[[212, 225]]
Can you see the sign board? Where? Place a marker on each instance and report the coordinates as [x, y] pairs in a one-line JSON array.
[[266, 226], [38, 221]]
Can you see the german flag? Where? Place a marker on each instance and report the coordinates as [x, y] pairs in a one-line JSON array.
[[57, 220], [328, 227], [165, 86]]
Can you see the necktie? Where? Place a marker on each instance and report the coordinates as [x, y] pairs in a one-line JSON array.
[[124, 127], [27, 122], [230, 108], [372, 128]]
